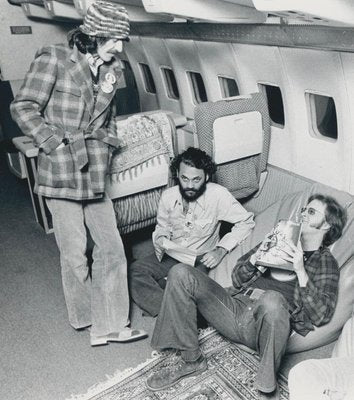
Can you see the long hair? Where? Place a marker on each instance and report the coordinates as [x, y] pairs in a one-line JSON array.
[[336, 217], [84, 43], [194, 158]]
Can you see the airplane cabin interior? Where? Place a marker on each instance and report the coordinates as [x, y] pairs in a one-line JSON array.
[[265, 87]]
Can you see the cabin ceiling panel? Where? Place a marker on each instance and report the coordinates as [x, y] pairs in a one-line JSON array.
[[136, 56], [158, 57], [310, 11], [318, 158], [207, 10], [304, 36], [264, 65]]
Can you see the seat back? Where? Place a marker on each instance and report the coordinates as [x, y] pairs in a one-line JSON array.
[[342, 250], [236, 133], [140, 169]]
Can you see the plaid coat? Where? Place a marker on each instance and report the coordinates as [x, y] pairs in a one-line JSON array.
[[56, 102]]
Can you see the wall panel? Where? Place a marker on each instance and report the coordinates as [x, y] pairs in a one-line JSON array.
[[315, 158], [184, 57], [260, 64], [158, 56], [135, 54]]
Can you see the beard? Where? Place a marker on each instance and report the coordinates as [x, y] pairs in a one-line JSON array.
[[191, 194]]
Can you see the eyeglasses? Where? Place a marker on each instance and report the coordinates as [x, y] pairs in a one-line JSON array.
[[311, 211]]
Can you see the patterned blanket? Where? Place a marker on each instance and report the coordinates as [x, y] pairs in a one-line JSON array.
[[230, 376], [143, 138]]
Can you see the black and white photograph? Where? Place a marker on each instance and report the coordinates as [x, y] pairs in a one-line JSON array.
[[176, 200]]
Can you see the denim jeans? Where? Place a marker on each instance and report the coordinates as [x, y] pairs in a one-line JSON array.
[[103, 300], [147, 281], [262, 324]]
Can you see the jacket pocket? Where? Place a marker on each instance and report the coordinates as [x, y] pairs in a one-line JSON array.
[[67, 101], [70, 91], [57, 169]]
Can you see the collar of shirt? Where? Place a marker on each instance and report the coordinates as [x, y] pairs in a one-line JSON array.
[[94, 63]]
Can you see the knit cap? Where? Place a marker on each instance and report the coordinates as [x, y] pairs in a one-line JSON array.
[[106, 19]]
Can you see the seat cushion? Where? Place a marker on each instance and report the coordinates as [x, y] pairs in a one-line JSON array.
[[287, 208]]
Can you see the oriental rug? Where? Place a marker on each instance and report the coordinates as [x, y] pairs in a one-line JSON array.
[[230, 376]]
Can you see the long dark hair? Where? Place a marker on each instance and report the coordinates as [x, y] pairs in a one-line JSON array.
[[336, 217], [194, 158], [84, 43]]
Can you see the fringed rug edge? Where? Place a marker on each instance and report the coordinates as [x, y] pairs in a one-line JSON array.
[[112, 380], [119, 375]]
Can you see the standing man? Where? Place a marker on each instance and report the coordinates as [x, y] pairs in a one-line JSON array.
[[262, 322], [189, 216], [66, 105]]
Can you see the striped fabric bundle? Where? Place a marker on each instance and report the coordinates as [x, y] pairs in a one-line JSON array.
[[137, 211]]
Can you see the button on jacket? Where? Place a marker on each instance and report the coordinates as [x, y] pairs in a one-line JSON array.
[[56, 102], [199, 228]]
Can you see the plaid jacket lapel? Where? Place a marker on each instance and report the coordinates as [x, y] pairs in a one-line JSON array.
[[80, 72], [104, 99]]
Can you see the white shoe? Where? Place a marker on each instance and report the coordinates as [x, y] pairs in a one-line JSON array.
[[126, 335]]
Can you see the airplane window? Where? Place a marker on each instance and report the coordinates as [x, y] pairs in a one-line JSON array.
[[130, 93], [129, 71], [199, 91], [275, 104], [171, 83], [148, 79], [228, 87], [323, 116]]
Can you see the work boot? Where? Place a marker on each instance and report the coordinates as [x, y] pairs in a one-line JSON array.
[[171, 375]]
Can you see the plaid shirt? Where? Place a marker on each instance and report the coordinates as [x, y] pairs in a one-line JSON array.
[[56, 102], [315, 303]]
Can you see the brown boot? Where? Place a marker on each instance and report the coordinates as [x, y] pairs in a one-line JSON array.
[[169, 376]]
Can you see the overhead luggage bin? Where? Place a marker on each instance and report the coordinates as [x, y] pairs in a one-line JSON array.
[[327, 12], [136, 13], [35, 9], [207, 10], [62, 9]]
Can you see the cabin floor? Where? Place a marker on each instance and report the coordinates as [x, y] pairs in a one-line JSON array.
[[43, 358]]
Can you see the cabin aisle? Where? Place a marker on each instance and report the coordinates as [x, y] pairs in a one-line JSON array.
[[42, 357]]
